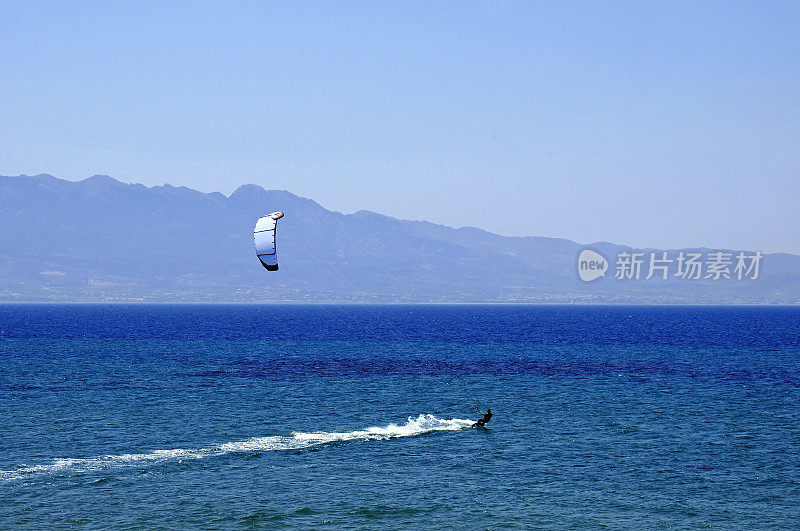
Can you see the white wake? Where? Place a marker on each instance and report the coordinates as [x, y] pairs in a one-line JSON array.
[[298, 440]]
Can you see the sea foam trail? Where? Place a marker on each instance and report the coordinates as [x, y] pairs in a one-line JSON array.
[[298, 440]]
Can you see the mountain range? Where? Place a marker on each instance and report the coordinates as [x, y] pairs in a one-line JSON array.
[[103, 240]]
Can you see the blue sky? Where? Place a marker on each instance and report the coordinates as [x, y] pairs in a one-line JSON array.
[[644, 123]]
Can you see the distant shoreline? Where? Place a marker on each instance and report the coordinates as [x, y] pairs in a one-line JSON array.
[[328, 303]]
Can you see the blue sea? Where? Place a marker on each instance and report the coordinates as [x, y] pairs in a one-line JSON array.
[[242, 416]]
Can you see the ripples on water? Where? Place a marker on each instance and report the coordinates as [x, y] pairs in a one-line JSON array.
[[303, 415]]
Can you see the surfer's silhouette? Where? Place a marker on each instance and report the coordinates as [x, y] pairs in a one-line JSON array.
[[486, 418]]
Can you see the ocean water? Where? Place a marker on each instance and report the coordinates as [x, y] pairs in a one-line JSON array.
[[228, 416]]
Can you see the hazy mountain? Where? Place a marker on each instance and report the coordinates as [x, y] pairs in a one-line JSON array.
[[100, 239]]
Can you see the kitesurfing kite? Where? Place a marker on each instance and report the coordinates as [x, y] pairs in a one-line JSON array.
[[264, 237]]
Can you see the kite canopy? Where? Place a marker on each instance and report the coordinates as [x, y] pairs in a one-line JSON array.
[[264, 238]]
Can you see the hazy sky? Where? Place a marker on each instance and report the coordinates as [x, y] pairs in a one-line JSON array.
[[649, 124]]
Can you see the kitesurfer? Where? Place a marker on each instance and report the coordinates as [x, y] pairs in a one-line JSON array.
[[486, 418]]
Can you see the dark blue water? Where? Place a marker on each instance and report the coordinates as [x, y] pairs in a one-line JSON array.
[[251, 416]]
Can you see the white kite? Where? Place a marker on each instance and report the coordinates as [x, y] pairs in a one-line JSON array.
[[264, 238]]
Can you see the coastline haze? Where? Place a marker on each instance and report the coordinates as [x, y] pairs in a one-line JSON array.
[[101, 240]]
